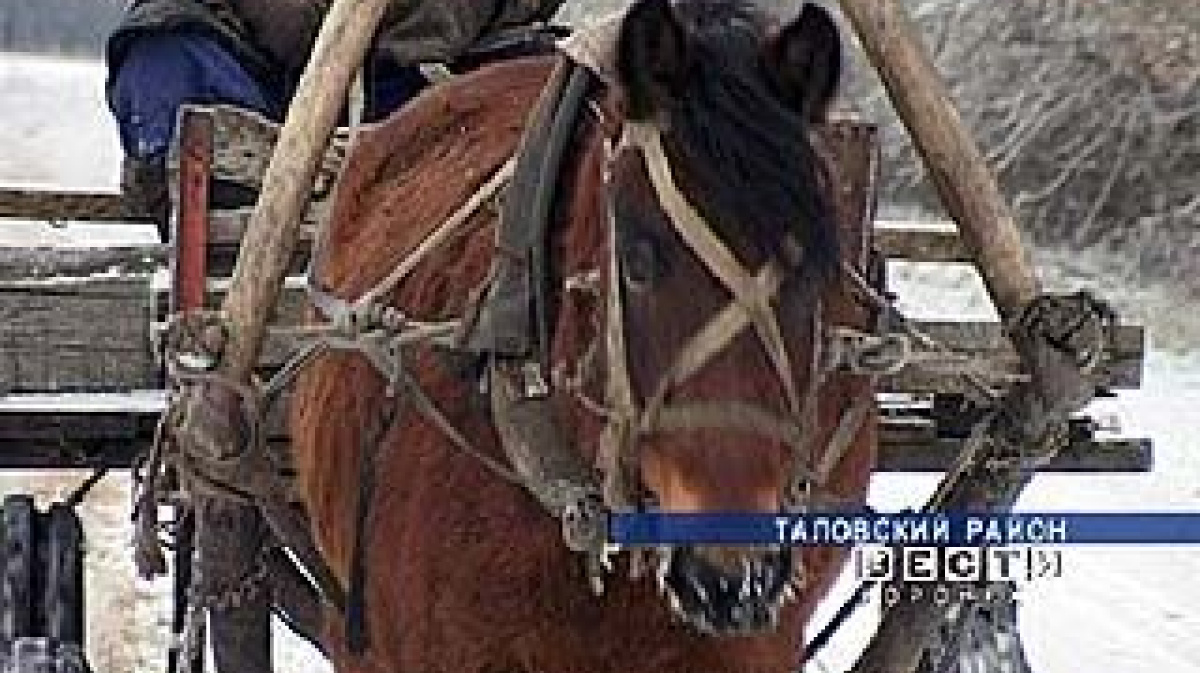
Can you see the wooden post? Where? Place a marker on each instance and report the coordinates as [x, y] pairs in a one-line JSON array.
[[972, 197], [227, 534], [958, 170], [189, 275], [274, 228], [262, 263]]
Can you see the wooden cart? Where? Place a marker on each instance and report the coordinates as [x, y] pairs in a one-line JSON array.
[[82, 387]]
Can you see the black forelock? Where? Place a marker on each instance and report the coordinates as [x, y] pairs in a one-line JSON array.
[[745, 153]]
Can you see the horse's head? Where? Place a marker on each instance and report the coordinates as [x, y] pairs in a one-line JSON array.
[[723, 241]]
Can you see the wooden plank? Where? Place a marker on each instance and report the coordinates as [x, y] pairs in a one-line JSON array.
[[896, 240], [245, 141], [90, 430], [289, 310], [227, 226], [910, 442], [982, 340], [920, 241], [66, 427], [998, 362], [76, 334], [95, 334], [65, 431], [56, 206], [1089, 456], [913, 241], [62, 593], [24, 263], [18, 561]]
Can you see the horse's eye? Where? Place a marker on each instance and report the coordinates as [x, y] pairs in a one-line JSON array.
[[642, 261]]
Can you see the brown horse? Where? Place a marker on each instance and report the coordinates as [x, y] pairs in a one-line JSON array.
[[465, 572]]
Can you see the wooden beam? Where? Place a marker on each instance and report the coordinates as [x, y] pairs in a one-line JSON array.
[[55, 206], [189, 238], [241, 635], [77, 431], [920, 241], [28, 263], [1031, 410], [952, 159], [274, 228]]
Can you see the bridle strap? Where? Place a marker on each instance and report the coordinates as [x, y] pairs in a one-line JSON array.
[[711, 339], [617, 439], [750, 306], [749, 294]]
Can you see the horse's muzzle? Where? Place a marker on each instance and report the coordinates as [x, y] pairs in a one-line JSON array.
[[719, 602]]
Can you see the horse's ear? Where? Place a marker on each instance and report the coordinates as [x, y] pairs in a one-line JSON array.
[[805, 62], [651, 57]]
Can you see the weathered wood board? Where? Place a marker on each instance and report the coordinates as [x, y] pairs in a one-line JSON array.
[[96, 332], [85, 319], [91, 430], [76, 334]]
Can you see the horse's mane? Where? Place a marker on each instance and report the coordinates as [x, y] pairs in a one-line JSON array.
[[748, 155]]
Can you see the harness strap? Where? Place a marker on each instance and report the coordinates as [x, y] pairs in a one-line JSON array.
[[357, 635], [712, 338], [751, 306], [753, 297], [504, 323]]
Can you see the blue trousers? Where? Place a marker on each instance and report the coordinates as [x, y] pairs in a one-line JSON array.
[[161, 71]]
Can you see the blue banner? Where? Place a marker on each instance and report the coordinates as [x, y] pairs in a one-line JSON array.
[[906, 529]]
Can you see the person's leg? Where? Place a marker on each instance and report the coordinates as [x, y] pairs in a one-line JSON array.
[[390, 86], [160, 72]]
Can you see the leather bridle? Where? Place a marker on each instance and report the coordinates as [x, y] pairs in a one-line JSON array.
[[753, 293]]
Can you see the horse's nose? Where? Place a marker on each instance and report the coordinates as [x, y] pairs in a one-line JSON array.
[[719, 599]]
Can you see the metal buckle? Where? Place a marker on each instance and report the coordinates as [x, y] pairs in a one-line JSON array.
[[533, 381]]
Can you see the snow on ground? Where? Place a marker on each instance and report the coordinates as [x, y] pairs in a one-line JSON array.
[[56, 129], [57, 134], [1124, 610], [1119, 609]]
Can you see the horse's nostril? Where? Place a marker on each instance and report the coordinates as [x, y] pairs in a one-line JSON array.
[[751, 616], [717, 599]]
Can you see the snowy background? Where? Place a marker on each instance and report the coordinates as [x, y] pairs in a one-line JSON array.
[[1128, 610]]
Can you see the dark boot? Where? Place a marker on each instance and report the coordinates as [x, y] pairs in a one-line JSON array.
[[225, 195], [144, 186]]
